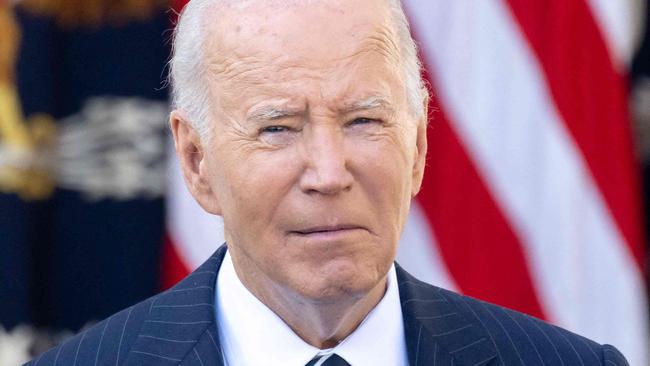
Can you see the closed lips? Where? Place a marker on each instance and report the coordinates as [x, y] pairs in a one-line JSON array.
[[324, 229]]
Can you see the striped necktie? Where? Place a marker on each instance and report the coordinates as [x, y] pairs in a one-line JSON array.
[[328, 360]]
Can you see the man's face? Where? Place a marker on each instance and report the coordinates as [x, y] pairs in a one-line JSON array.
[[315, 154]]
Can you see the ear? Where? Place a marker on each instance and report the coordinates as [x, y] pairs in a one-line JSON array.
[[191, 156], [420, 158]]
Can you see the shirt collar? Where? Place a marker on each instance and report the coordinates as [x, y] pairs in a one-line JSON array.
[[252, 334]]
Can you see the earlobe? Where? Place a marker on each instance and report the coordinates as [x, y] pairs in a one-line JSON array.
[[191, 156]]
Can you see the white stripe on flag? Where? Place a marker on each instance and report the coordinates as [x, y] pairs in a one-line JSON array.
[[621, 23], [418, 251]]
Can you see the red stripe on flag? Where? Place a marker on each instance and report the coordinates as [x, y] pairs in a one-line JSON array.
[[591, 96], [173, 268], [481, 251], [178, 5]]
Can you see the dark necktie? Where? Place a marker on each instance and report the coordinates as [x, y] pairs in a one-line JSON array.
[[330, 360]]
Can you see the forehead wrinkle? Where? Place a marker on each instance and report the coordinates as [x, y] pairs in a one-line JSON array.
[[230, 68], [383, 40]]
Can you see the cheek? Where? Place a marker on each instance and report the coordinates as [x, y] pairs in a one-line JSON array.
[[385, 173], [385, 164], [254, 185]]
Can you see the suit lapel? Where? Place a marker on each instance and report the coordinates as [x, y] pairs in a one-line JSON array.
[[436, 330], [181, 320]]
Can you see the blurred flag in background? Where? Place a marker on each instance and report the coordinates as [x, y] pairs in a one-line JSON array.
[[82, 158], [531, 196], [532, 193]]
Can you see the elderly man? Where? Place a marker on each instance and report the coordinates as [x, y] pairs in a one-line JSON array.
[[303, 124]]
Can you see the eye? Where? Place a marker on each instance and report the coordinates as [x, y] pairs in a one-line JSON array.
[[278, 135], [274, 129], [364, 126], [363, 121]]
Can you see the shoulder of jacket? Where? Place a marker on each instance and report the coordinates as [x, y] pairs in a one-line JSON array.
[[532, 337], [106, 342]]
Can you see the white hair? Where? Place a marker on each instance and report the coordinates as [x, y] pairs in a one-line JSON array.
[[190, 91]]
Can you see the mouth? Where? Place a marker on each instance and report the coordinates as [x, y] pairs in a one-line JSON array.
[[326, 230]]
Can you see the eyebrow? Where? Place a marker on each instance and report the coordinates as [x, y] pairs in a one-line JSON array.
[[368, 103], [270, 112]]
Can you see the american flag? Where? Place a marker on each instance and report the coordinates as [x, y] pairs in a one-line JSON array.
[[531, 197]]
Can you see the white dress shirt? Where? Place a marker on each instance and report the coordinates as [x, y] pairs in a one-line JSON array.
[[251, 334]]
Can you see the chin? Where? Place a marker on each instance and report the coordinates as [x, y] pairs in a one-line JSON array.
[[336, 281]]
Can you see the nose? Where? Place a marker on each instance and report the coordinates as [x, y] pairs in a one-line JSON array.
[[327, 171]]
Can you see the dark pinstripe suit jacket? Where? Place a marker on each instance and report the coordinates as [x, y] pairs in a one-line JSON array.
[[177, 327]]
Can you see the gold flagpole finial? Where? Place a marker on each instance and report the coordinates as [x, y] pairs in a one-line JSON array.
[[9, 40]]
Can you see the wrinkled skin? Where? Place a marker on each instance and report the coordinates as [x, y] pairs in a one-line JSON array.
[[314, 157]]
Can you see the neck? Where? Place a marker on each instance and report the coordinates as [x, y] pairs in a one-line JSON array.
[[326, 324], [320, 323]]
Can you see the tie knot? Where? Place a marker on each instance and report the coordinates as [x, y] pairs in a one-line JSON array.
[[328, 360]]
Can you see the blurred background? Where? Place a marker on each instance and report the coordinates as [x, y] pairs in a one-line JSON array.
[[536, 194]]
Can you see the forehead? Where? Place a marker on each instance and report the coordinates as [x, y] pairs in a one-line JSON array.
[[232, 22], [271, 47]]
